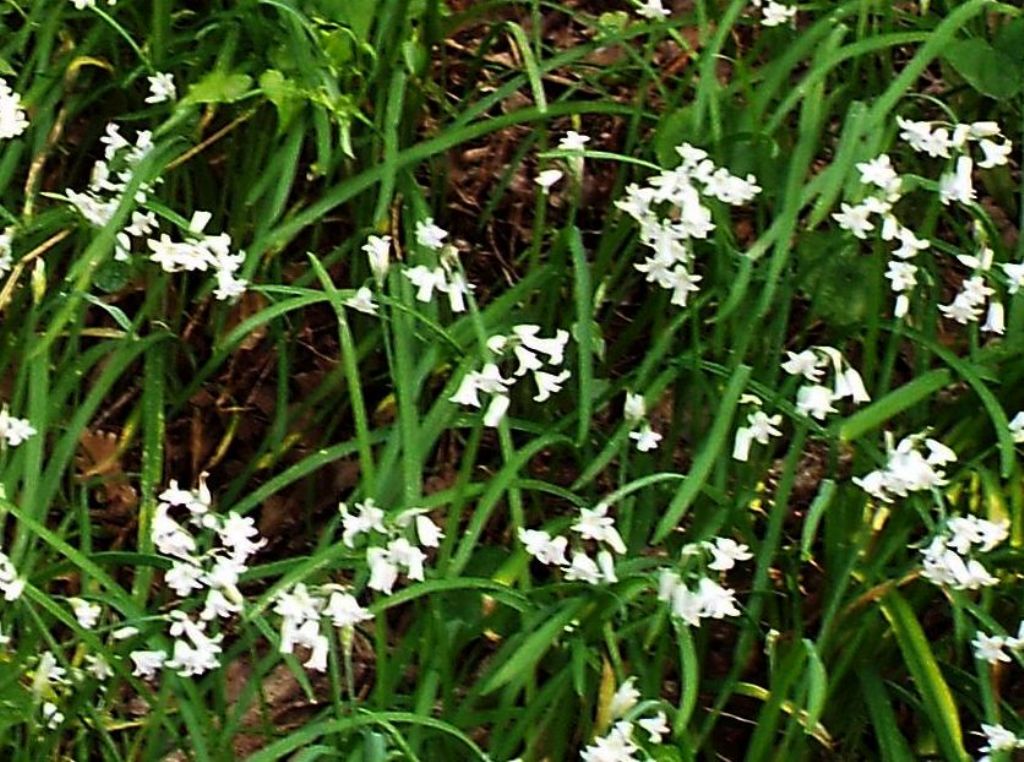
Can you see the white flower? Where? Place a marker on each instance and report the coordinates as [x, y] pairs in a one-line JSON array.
[[995, 320], [996, 154], [730, 189], [426, 280], [815, 400], [98, 667], [547, 178], [805, 363], [496, 410], [6, 249], [362, 301], [726, 552], [682, 283], [910, 244], [218, 605], [573, 141], [902, 275], [687, 605], [430, 235], [634, 409], [87, 614], [543, 547], [467, 392], [52, 716], [378, 251], [646, 438], [849, 383], [616, 746], [652, 9], [998, 738], [624, 699], [369, 518], [958, 185], [716, 601], [761, 427], [14, 430], [428, 533], [457, 289], [548, 384], [147, 662], [345, 611], [776, 13], [583, 569], [183, 577], [656, 727], [1015, 275], [596, 524], [237, 533], [879, 172], [404, 553], [856, 219], [13, 121], [990, 648], [554, 347], [161, 88], [1017, 427]]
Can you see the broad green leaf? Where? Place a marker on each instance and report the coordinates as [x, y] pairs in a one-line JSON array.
[[283, 93], [988, 70], [218, 87]]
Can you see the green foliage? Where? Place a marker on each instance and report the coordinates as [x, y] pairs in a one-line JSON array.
[[303, 127]]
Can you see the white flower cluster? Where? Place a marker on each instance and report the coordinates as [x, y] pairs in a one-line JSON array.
[[886, 189], [760, 428], [446, 276], [303, 615], [815, 399], [990, 647], [83, 4], [533, 354], [914, 465], [617, 745], [635, 412], [710, 600], [400, 554], [775, 13], [52, 683], [13, 121], [998, 739], [107, 187], [594, 524], [230, 541], [109, 182], [672, 212], [14, 431], [947, 559], [201, 252]]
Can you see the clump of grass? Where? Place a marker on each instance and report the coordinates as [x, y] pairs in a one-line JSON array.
[[424, 380]]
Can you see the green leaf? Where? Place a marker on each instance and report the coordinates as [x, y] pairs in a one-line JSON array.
[[990, 71], [283, 93], [935, 693], [521, 655], [218, 87], [706, 458], [893, 403]]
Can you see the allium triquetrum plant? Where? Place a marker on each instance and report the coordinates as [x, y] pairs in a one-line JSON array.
[[503, 381]]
